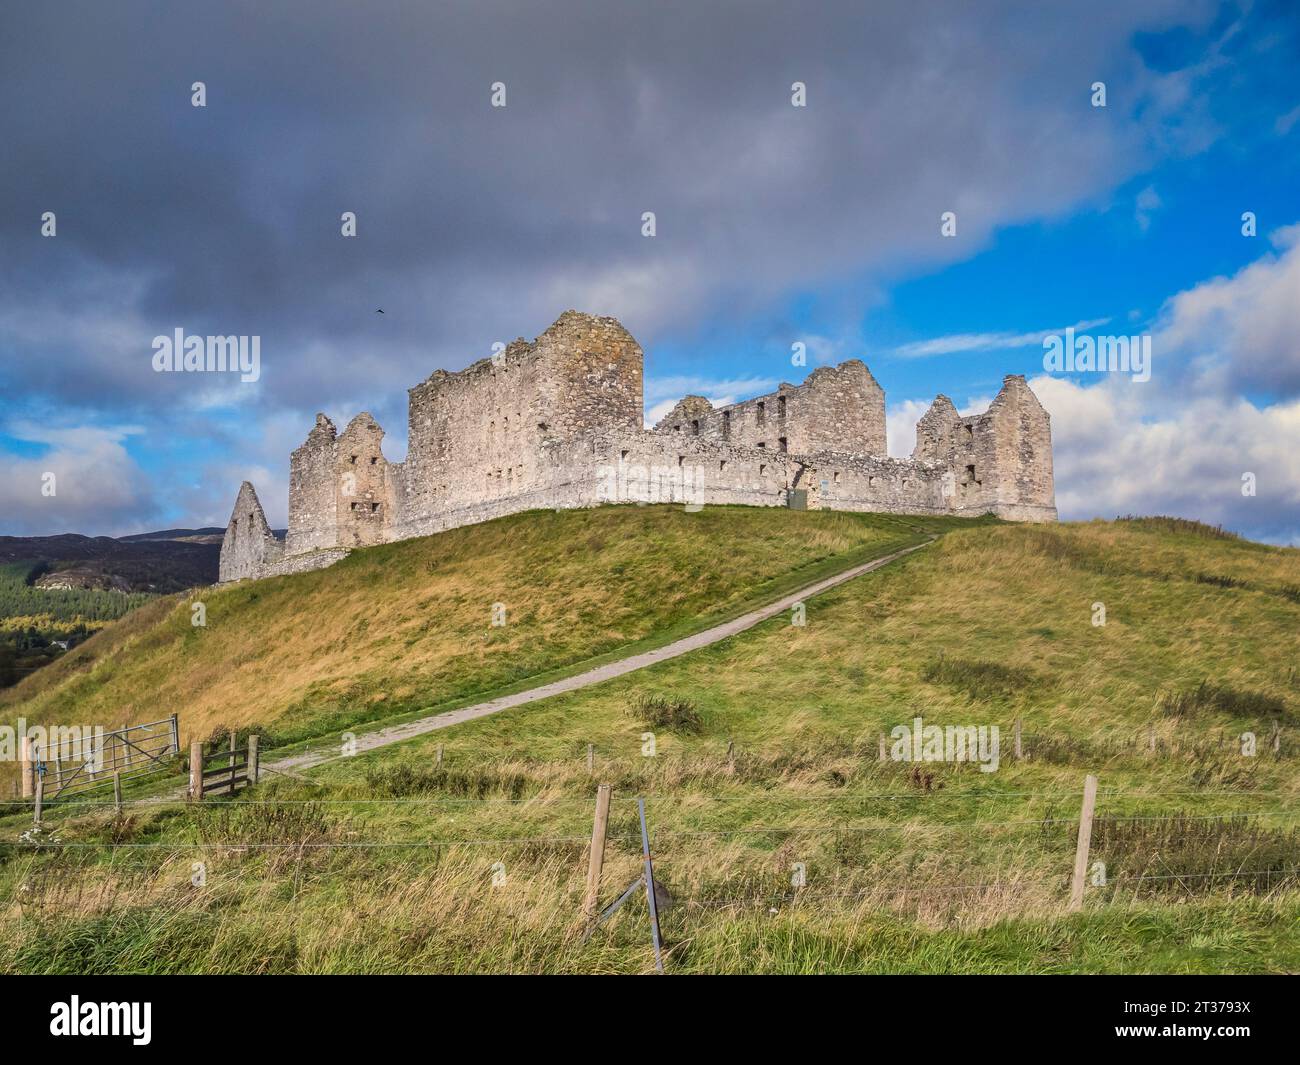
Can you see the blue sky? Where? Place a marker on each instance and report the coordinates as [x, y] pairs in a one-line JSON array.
[[775, 225]]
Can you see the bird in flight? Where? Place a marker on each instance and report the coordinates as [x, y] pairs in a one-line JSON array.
[[379, 310]]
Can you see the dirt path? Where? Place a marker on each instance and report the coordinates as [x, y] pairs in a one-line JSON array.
[[397, 733]]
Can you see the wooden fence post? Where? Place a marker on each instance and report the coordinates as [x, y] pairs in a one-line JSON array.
[[117, 791], [438, 762], [1020, 751], [25, 767], [40, 795], [254, 767], [196, 771], [1277, 737], [1085, 842], [596, 859], [591, 756], [880, 754], [731, 756]]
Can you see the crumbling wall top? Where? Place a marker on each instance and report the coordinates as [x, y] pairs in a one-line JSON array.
[[686, 408]]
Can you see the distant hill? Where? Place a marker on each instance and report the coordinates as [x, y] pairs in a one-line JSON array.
[[55, 591], [157, 562], [208, 535]]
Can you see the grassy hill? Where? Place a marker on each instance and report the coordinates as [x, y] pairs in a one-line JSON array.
[[387, 861], [407, 626]]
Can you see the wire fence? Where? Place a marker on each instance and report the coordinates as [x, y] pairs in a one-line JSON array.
[[783, 797], [849, 881], [1287, 810], [850, 830]]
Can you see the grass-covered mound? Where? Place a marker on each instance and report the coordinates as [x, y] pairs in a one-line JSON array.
[[409, 625], [387, 862]]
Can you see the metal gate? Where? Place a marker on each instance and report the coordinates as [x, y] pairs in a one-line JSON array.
[[127, 753]]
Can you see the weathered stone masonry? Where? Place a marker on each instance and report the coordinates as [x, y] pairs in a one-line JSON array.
[[557, 423]]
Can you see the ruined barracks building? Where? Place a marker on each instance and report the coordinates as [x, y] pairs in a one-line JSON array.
[[558, 423]]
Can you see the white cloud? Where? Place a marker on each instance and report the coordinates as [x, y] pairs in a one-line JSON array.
[[826, 351], [679, 385], [755, 200], [654, 413], [1285, 122], [97, 485], [1121, 448], [1125, 448], [1180, 443], [1237, 333], [1147, 203], [964, 342], [900, 425]]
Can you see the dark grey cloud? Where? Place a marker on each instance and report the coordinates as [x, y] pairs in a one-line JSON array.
[[478, 223]]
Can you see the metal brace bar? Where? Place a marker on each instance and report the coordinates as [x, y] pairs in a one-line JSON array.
[[613, 907]]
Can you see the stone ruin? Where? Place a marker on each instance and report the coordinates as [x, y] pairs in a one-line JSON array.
[[558, 423]]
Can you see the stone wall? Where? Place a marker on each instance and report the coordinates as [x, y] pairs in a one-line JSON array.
[[838, 408], [1023, 429], [486, 433], [313, 560], [249, 547], [313, 494], [557, 423], [1001, 460], [871, 483], [363, 503], [613, 467]]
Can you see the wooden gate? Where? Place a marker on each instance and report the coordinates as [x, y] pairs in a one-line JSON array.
[[222, 770]]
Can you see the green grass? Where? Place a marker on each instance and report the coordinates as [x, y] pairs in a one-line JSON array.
[[385, 862], [393, 631]]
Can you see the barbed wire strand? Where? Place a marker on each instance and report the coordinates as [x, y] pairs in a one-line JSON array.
[[55, 804], [801, 897], [662, 833]]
